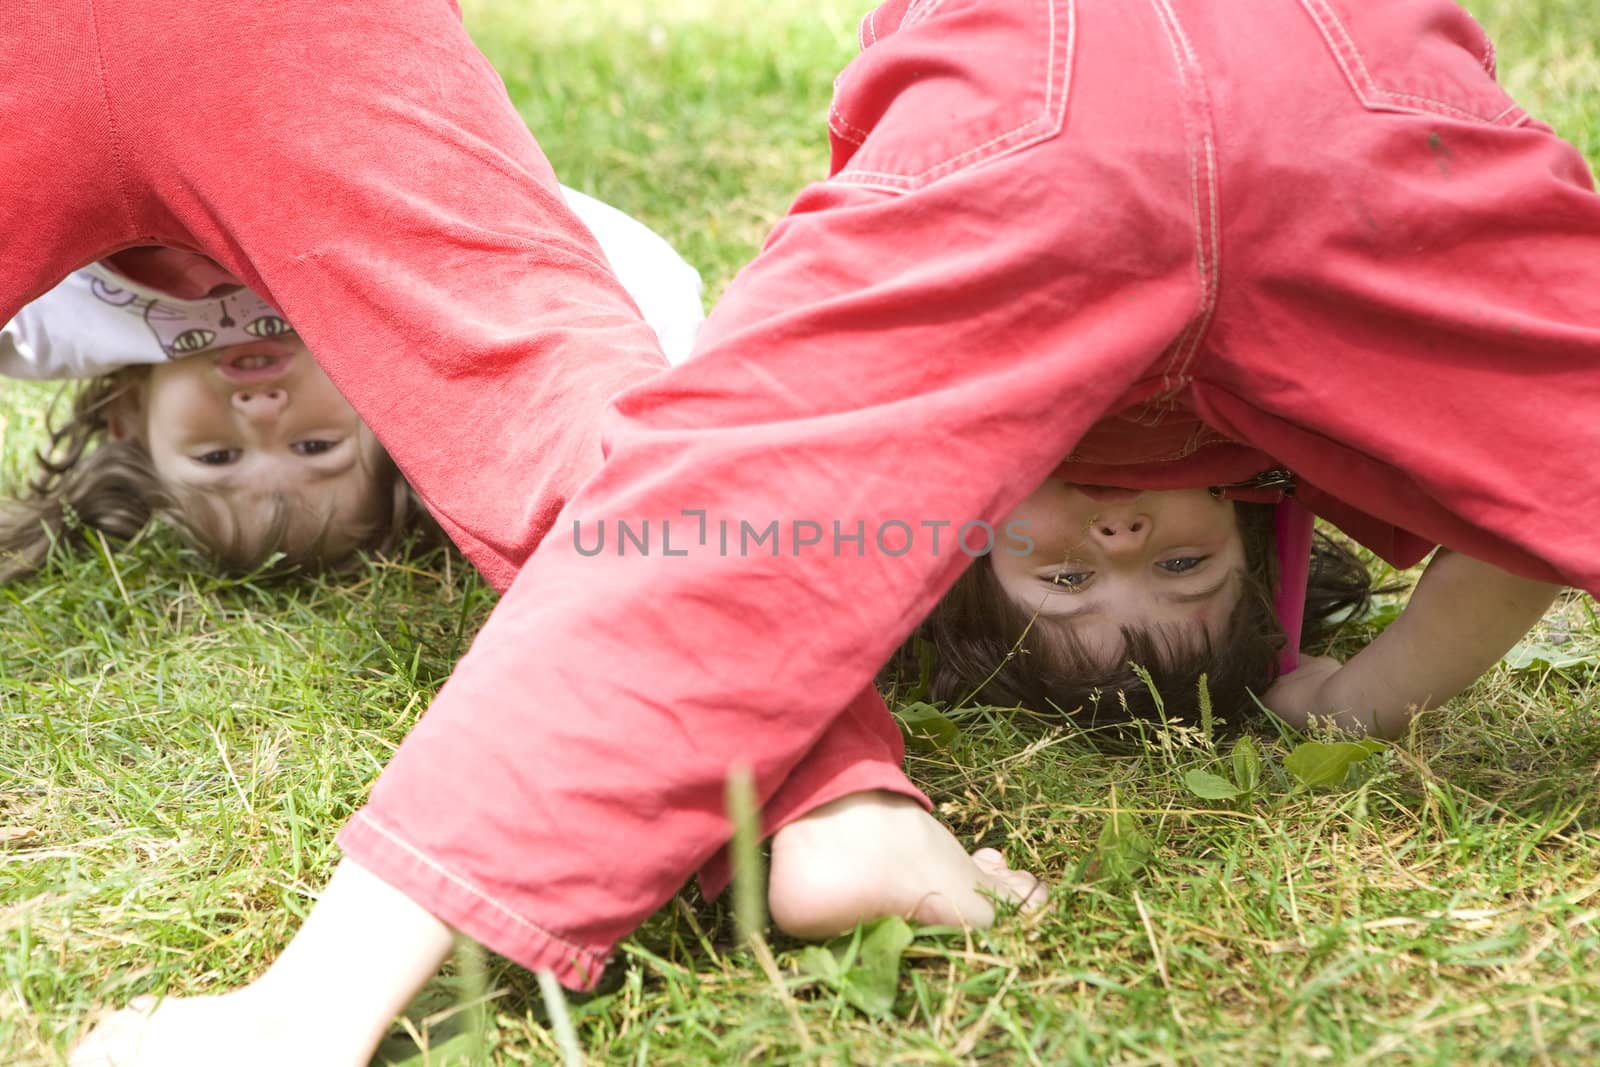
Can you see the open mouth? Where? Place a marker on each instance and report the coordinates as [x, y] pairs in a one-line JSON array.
[[255, 367]]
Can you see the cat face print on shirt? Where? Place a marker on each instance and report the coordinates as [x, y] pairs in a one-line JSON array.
[[187, 327]]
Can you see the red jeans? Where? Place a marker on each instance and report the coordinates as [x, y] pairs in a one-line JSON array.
[[1332, 240], [1329, 238], [360, 166]]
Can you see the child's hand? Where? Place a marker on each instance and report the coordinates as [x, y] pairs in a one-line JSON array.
[[1462, 617], [1301, 694]]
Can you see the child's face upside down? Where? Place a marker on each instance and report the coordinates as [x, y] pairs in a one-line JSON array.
[[1104, 559], [257, 427]]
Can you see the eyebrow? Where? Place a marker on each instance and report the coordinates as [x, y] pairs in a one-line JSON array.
[[1195, 597]]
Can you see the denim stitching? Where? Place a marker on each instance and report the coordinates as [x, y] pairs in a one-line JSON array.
[[855, 135], [1050, 125], [111, 123], [1049, 85], [1366, 86], [919, 11], [1213, 276], [1438, 105], [1210, 271], [1322, 29], [1188, 342], [1150, 414], [468, 887], [1050, 60]]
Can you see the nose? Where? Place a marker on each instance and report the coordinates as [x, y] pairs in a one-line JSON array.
[[1120, 535], [260, 405]]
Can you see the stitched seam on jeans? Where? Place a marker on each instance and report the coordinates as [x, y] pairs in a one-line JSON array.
[[919, 11], [1350, 46], [1190, 337], [845, 130], [953, 164], [1435, 105], [1213, 272], [1311, 8], [867, 182], [1194, 210], [1369, 87], [111, 125], [1153, 412], [468, 887], [1050, 88], [856, 134], [1022, 132], [1196, 440], [1438, 109]]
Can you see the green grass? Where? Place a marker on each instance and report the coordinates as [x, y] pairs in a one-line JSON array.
[[177, 751]]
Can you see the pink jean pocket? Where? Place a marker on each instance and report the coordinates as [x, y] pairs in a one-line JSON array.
[[1417, 57], [942, 86]]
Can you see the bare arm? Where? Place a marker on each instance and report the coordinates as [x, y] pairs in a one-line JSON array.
[[1463, 616]]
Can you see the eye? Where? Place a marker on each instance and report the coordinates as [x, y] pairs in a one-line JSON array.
[[218, 457], [313, 447], [1068, 580], [1182, 565], [192, 340], [268, 326]]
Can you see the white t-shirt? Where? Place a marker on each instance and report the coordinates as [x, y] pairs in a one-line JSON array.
[[97, 321]]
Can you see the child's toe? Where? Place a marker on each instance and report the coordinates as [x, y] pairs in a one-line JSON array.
[[1031, 893], [990, 861]]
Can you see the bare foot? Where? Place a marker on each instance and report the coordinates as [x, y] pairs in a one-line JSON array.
[[361, 955], [869, 855], [237, 1028]]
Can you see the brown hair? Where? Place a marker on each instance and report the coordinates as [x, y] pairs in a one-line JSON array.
[[86, 483], [987, 648]]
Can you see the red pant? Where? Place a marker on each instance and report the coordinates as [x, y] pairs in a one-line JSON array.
[[1331, 238], [361, 167], [1336, 242]]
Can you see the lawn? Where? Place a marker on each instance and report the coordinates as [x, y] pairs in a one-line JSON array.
[[177, 750]]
